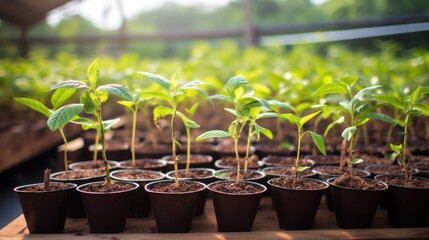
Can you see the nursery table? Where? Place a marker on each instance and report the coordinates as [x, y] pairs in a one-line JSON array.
[[204, 227]]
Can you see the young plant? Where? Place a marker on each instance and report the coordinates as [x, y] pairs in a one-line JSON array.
[[134, 106], [59, 97], [317, 139], [91, 99], [173, 92], [241, 95], [410, 106], [357, 110]]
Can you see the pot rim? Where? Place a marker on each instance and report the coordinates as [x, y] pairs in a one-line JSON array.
[[18, 189], [306, 179], [111, 162], [168, 174], [394, 185], [160, 174], [217, 161], [147, 187], [264, 188], [264, 160], [413, 171], [312, 172], [345, 167], [235, 169], [330, 180], [167, 158], [53, 175], [79, 188]]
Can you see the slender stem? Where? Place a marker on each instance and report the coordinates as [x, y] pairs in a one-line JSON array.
[[173, 147], [47, 178], [97, 141], [246, 159], [133, 138], [103, 147], [365, 136], [298, 150], [315, 127], [149, 129], [188, 149], [61, 129], [343, 154], [350, 158], [404, 146], [237, 157]]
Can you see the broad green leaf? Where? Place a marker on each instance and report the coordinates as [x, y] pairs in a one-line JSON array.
[[345, 107], [188, 122], [292, 118], [160, 112], [300, 168], [128, 104], [213, 134], [357, 161], [88, 103], [340, 120], [236, 82], [232, 130], [162, 81], [266, 132], [416, 95], [394, 101], [349, 80], [319, 141], [117, 90], [92, 73], [394, 156], [307, 118], [107, 124], [302, 107], [330, 88], [61, 96], [275, 103], [268, 115], [155, 95], [193, 84], [232, 111], [238, 93], [422, 108], [63, 115], [380, 116], [361, 121], [85, 121], [35, 105], [365, 91], [348, 133], [70, 84], [191, 111], [101, 95], [174, 81], [396, 148], [220, 97]]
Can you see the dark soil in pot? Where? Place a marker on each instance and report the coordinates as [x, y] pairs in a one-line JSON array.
[[355, 200], [146, 163], [279, 161], [139, 201], [204, 175], [99, 164], [151, 151], [407, 200], [296, 203], [45, 210], [197, 161], [236, 204], [231, 162], [273, 172], [118, 150], [422, 165], [106, 210], [77, 177], [388, 169], [174, 206]]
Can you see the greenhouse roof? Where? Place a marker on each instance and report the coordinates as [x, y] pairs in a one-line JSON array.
[[25, 13]]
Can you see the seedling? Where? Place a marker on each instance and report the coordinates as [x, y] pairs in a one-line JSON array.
[[59, 97], [246, 111], [173, 93], [356, 109], [410, 106], [91, 99]]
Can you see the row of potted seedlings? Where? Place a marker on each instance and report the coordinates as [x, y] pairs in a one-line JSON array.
[[354, 194]]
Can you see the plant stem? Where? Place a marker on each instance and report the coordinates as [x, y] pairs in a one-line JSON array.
[[237, 157], [173, 147], [365, 136], [47, 179], [103, 148], [65, 152], [343, 154], [133, 138], [188, 149], [297, 155], [97, 141], [404, 146], [315, 128], [246, 159], [350, 158], [149, 129]]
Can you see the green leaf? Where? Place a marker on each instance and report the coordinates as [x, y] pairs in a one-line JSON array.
[[340, 120], [348, 133], [117, 90], [394, 101], [128, 104], [236, 82], [266, 132], [220, 97], [35, 105], [232, 130], [188, 122], [364, 91], [61, 96], [422, 108], [396, 148], [349, 80], [107, 124], [191, 111], [307, 118], [193, 84], [174, 81], [330, 88], [267, 115], [357, 161], [285, 105], [160, 80], [160, 112], [92, 73], [213, 134], [63, 115], [300, 168], [394, 156], [319, 141], [85, 121], [416, 95], [88, 103], [290, 117], [155, 95], [238, 93], [380, 116], [70, 84]]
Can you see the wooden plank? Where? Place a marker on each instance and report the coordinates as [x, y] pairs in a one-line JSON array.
[[204, 227]]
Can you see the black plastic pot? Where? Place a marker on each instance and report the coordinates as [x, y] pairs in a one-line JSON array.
[[282, 161], [173, 211], [296, 208], [355, 208], [236, 212], [308, 173], [83, 165], [207, 180], [45, 212], [182, 161], [407, 206], [223, 174], [139, 203], [75, 206], [106, 211], [154, 164]]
